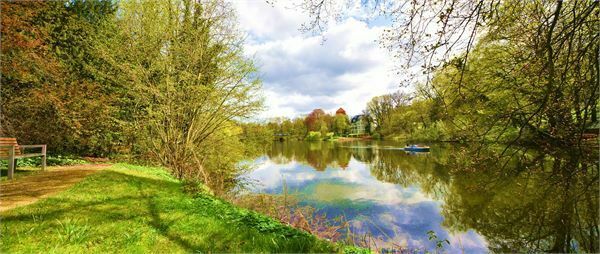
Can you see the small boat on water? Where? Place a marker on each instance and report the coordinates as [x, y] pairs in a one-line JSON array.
[[415, 148]]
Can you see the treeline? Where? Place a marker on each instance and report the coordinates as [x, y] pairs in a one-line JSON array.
[[317, 125], [162, 81], [532, 77]]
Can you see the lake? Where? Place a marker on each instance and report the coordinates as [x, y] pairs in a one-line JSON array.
[[479, 199]]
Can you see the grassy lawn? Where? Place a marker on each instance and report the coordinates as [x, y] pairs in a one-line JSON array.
[[140, 209]]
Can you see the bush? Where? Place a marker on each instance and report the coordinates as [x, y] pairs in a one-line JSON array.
[[57, 160], [329, 136], [194, 188], [313, 136]]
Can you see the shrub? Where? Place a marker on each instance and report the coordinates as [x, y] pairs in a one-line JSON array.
[[329, 136], [313, 136], [58, 160], [194, 187]]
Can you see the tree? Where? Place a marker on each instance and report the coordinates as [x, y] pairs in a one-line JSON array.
[[299, 128], [315, 120], [381, 108], [341, 124], [190, 82], [52, 91]]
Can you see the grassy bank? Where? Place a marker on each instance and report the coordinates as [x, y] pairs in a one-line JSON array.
[[140, 209]]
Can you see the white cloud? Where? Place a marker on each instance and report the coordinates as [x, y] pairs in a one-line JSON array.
[[268, 22], [301, 72]]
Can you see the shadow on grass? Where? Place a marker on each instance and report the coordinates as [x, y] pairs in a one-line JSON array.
[[60, 207], [161, 226], [114, 203]]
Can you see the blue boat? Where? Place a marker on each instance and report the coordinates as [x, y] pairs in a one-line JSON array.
[[414, 148]]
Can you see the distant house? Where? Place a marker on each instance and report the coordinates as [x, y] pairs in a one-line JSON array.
[[358, 126]]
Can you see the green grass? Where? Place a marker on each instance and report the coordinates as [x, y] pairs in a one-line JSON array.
[[136, 209]]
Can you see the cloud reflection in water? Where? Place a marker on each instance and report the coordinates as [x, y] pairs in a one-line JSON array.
[[402, 215]]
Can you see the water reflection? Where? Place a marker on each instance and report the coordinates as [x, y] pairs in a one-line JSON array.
[[528, 200], [480, 199]]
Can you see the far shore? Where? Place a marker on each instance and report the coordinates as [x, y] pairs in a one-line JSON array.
[[349, 139]]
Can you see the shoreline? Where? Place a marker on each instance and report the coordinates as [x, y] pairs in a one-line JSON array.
[[349, 139]]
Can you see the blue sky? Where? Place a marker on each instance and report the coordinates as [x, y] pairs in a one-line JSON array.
[[301, 72]]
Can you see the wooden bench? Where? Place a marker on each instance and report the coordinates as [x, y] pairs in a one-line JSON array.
[[10, 150]]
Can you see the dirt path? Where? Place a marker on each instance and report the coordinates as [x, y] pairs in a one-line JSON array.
[[28, 189]]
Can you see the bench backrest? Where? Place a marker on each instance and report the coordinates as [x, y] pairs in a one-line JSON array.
[[8, 142]]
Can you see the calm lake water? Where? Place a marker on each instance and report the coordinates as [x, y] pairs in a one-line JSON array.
[[480, 200]]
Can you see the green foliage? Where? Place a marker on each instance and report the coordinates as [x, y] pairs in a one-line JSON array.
[[53, 93], [317, 120], [329, 136], [434, 131], [51, 160], [356, 250], [376, 136], [192, 187], [189, 86], [341, 124], [507, 88], [256, 138], [439, 244], [314, 136], [87, 81]]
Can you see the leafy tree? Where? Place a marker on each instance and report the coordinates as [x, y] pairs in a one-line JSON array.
[[382, 109], [299, 128], [50, 91], [341, 124], [190, 82], [315, 120]]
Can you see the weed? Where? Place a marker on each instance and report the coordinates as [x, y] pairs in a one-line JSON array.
[[70, 231], [439, 244]]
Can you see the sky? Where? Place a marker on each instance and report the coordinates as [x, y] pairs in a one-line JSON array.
[[344, 67]]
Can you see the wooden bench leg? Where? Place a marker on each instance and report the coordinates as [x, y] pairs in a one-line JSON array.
[[44, 157], [11, 168], [11, 163]]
